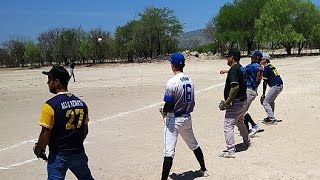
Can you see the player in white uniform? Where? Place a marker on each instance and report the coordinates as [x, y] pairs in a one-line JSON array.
[[179, 103]]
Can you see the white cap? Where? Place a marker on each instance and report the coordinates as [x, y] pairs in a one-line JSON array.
[[266, 56]]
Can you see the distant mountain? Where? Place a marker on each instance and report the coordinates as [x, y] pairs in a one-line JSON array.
[[193, 38]]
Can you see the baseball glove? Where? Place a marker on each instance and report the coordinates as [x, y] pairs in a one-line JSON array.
[[223, 106], [262, 99], [41, 154]]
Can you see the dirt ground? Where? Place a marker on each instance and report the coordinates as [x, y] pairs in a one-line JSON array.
[[125, 138]]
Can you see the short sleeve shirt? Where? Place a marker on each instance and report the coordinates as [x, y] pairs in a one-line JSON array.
[[66, 116], [271, 76], [235, 76], [180, 91], [253, 73]]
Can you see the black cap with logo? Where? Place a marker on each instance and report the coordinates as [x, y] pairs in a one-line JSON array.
[[58, 72]]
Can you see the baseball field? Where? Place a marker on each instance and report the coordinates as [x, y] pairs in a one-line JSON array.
[[125, 139]]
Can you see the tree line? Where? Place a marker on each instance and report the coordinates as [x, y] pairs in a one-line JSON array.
[[245, 24], [271, 24], [154, 34]]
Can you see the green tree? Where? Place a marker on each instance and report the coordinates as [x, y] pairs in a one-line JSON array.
[[5, 58], [315, 36], [32, 53], [160, 27], [16, 48], [101, 48], [234, 23], [85, 50], [47, 42], [66, 45], [124, 40], [276, 24], [306, 17]]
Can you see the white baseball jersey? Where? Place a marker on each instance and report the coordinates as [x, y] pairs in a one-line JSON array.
[[180, 91]]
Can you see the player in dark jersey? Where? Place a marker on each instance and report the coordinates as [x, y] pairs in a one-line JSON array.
[[234, 104], [273, 80], [253, 76], [64, 121]]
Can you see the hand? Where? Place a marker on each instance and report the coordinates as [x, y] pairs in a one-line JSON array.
[[223, 106], [262, 99], [161, 111], [40, 153], [223, 71]]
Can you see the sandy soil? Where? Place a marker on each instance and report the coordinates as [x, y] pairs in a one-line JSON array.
[[125, 140]]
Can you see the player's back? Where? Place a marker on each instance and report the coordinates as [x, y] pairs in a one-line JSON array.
[[70, 116], [272, 76], [254, 73], [183, 94]]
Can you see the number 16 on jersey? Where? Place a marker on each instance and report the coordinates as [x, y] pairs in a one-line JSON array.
[[187, 93]]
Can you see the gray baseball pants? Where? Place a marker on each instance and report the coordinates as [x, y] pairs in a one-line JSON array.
[[268, 102], [234, 117], [251, 95]]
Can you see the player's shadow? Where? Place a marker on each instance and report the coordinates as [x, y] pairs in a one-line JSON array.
[[189, 175]]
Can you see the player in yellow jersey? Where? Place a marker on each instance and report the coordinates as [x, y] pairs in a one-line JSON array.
[[64, 121]]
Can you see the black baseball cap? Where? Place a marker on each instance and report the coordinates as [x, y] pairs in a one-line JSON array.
[[234, 52], [58, 72]]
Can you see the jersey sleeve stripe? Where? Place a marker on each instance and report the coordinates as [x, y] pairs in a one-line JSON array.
[[45, 125], [168, 98]]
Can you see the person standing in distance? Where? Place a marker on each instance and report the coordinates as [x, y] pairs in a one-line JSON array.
[[179, 103], [71, 65], [234, 104], [273, 80], [64, 121]]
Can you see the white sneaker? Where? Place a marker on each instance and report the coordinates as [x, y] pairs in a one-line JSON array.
[[227, 155], [254, 130]]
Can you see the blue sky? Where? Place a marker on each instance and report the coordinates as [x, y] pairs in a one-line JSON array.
[[28, 18]]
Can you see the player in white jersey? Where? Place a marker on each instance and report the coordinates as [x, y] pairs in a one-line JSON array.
[[179, 103]]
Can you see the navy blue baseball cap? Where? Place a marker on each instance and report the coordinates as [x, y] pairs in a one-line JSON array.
[[256, 54], [58, 72], [177, 59]]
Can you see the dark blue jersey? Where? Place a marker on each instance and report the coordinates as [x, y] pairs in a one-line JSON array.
[[66, 116], [253, 75], [271, 76]]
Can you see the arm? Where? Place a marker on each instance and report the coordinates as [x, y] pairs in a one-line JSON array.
[[168, 106], [43, 140], [264, 87], [224, 71], [164, 109], [232, 94]]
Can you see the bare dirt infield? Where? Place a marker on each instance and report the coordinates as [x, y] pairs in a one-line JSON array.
[[125, 138]]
